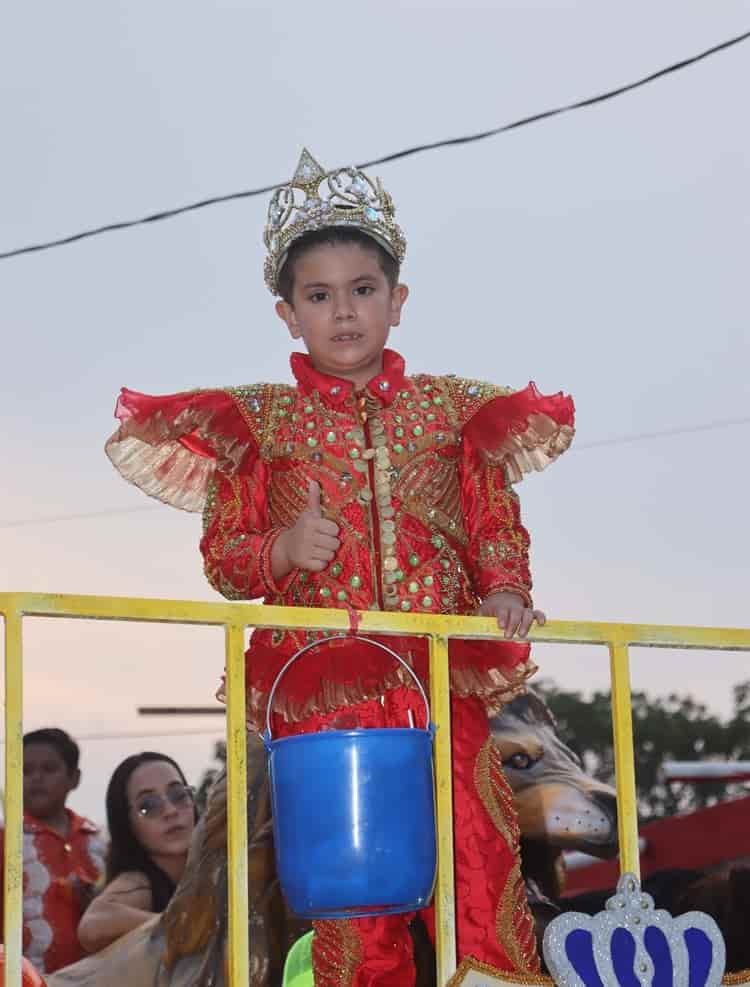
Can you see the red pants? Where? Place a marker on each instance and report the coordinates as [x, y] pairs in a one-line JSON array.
[[493, 922]]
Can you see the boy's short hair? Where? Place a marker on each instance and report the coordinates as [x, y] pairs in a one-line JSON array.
[[334, 235], [63, 743]]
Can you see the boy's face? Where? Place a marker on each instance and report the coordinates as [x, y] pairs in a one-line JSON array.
[[343, 308], [47, 780]]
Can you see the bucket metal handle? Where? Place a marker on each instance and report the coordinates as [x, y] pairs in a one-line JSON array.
[[342, 637]]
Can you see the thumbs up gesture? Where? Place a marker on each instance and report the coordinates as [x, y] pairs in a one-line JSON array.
[[312, 542]]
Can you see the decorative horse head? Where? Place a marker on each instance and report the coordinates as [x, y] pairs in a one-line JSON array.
[[557, 802]]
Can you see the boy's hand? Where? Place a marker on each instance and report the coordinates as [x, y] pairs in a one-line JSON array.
[[311, 543], [513, 616]]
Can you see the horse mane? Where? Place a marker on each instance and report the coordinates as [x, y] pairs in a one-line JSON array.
[[530, 708]]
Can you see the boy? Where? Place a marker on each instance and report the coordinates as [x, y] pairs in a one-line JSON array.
[[63, 855], [362, 487]]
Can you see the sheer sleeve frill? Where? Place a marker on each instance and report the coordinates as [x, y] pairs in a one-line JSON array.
[[521, 430], [170, 445]]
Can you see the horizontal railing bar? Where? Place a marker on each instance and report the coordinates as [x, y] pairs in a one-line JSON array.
[[217, 614]]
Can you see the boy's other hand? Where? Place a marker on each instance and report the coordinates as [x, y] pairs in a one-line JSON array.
[[313, 541], [513, 616]]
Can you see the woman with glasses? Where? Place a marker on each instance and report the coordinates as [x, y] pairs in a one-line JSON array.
[[151, 815]]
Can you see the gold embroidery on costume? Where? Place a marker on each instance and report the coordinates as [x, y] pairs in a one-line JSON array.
[[337, 952], [469, 964], [514, 923]]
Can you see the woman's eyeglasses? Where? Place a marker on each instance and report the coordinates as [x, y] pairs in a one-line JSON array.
[[152, 806]]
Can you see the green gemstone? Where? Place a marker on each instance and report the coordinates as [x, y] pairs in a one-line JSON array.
[[445, 563], [354, 453], [355, 582], [282, 412], [342, 595], [309, 409], [397, 447], [413, 587], [336, 569], [286, 399], [424, 404], [330, 436], [430, 416], [406, 604], [303, 576], [413, 559], [309, 426], [398, 432], [446, 601], [426, 601], [324, 591], [437, 541], [411, 404], [398, 575], [418, 430], [404, 394], [312, 441], [428, 580], [437, 399]]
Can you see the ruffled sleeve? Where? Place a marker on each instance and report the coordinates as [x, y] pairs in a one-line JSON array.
[[170, 446], [519, 430]]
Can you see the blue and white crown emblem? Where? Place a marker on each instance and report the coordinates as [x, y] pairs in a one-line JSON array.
[[632, 944]]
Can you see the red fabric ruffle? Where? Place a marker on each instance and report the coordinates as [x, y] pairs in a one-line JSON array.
[[169, 445], [526, 430]]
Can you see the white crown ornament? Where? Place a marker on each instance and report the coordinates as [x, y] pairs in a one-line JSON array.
[[631, 944], [316, 199]]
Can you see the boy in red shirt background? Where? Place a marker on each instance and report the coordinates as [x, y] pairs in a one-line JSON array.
[[63, 853]]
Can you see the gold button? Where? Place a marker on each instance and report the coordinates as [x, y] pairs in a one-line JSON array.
[[390, 564], [365, 495]]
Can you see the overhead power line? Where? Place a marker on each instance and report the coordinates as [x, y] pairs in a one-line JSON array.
[[387, 158], [578, 447]]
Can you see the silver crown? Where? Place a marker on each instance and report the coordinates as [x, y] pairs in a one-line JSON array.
[[316, 199]]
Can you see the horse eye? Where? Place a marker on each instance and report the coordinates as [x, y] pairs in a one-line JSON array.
[[521, 762]]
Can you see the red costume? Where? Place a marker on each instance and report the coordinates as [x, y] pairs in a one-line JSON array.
[[416, 472], [60, 874]]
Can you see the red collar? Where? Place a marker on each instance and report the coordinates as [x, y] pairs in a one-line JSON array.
[[335, 390], [78, 824]]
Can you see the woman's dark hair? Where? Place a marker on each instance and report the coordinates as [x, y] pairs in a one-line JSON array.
[[334, 235], [125, 852]]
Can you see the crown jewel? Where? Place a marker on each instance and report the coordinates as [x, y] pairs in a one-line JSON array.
[[316, 199], [631, 943]]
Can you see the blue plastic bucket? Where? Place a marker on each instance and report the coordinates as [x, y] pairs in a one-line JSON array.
[[353, 814]]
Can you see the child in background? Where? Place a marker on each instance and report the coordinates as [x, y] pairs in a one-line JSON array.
[[362, 487], [63, 854]]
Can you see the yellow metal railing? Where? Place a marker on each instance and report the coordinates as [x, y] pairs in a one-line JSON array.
[[236, 618]]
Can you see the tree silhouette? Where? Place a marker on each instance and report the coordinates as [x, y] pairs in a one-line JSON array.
[[675, 728]]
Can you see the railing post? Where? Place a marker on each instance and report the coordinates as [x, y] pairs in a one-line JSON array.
[[13, 879], [445, 894], [239, 939], [622, 728]]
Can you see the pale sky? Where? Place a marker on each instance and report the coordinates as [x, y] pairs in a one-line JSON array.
[[603, 253]]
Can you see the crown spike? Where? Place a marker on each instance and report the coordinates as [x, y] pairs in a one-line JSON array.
[[308, 172]]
